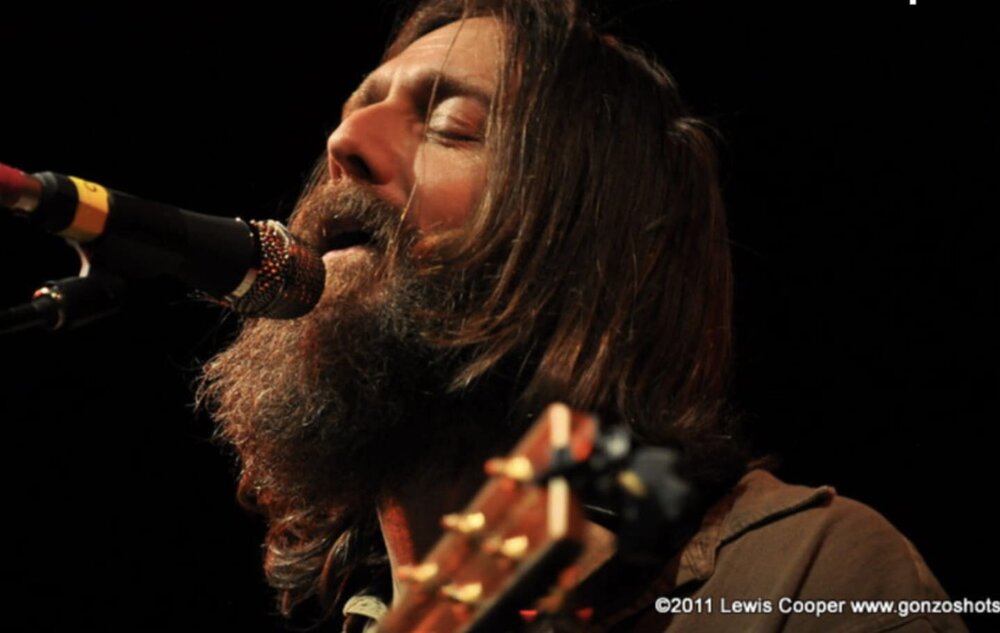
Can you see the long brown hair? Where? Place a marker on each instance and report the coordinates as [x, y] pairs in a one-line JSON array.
[[595, 270], [599, 251]]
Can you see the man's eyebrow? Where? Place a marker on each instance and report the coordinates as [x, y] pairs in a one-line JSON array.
[[421, 85]]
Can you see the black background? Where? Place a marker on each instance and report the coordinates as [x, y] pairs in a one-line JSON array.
[[858, 168]]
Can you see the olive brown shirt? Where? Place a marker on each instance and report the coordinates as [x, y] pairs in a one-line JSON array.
[[777, 557]]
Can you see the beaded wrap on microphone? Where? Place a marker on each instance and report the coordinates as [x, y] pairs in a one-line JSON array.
[[290, 276]]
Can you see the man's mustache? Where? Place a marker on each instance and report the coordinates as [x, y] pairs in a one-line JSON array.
[[329, 211]]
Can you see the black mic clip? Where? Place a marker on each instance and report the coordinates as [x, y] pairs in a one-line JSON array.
[[66, 303]]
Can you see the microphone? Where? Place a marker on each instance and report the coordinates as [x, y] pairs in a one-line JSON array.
[[255, 268]]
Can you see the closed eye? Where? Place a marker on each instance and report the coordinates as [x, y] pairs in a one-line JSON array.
[[458, 119]]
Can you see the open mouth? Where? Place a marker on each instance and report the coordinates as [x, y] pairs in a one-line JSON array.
[[348, 239], [343, 234]]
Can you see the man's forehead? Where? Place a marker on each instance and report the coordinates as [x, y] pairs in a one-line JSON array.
[[473, 37], [462, 57], [467, 50]]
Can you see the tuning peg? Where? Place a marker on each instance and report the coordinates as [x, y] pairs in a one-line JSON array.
[[516, 468], [464, 523], [417, 573], [514, 547], [468, 593]]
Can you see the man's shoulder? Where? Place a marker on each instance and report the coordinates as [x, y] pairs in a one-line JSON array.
[[792, 549], [762, 503], [825, 541]]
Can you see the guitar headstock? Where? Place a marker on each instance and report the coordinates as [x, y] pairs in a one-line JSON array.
[[509, 545]]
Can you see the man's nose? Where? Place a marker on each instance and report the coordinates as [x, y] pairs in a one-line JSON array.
[[368, 146]]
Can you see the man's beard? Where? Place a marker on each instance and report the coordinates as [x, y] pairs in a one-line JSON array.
[[329, 411]]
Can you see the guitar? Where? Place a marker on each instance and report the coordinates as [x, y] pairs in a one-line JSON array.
[[501, 551]]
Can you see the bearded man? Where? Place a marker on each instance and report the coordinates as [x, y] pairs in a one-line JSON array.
[[516, 210]]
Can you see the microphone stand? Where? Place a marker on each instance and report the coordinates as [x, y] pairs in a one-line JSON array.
[[68, 303]]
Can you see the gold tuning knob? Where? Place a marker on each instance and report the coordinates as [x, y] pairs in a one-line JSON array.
[[467, 593], [464, 523], [514, 547], [516, 468], [417, 573]]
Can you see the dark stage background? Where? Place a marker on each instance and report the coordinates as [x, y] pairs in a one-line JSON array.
[[858, 165]]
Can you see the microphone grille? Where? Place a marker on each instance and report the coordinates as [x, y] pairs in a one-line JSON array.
[[290, 277]]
